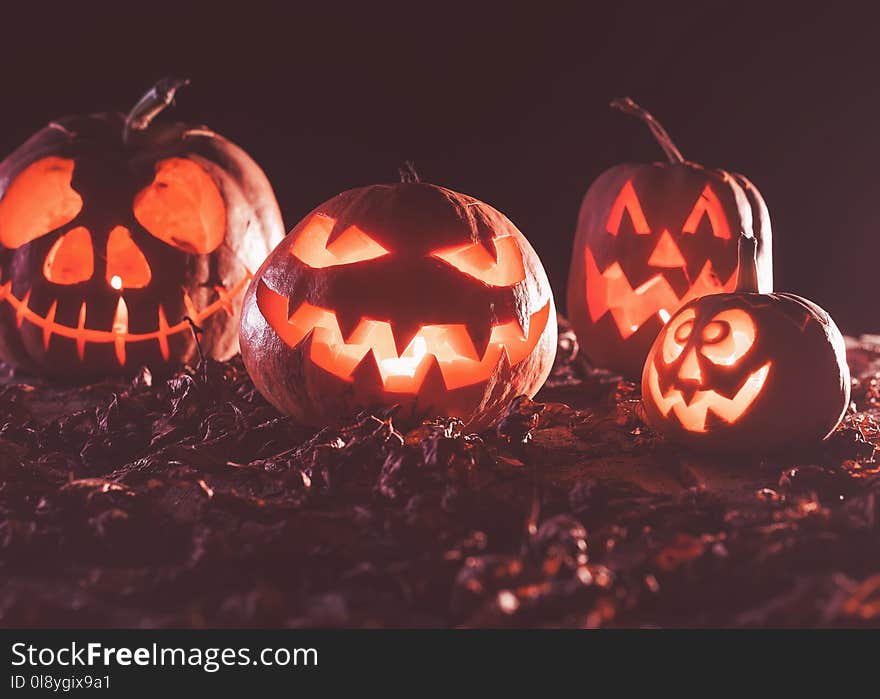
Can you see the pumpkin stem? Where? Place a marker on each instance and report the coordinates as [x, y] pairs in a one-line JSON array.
[[151, 104], [627, 106], [747, 272], [408, 172]]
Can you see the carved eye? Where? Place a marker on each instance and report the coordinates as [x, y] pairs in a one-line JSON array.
[[182, 207], [506, 269], [728, 337], [627, 201], [708, 205], [353, 245], [678, 332], [39, 200]]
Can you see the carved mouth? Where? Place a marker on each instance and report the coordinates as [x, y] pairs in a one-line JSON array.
[[450, 346], [692, 414], [610, 291], [118, 333]]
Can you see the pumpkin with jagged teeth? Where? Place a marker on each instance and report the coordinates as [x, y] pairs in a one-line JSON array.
[[650, 238], [115, 231], [407, 294]]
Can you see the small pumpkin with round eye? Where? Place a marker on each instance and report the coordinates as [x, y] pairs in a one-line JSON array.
[[114, 230], [407, 294], [745, 371]]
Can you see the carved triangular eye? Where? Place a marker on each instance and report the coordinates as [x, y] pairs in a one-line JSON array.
[[627, 201], [39, 200], [353, 245], [474, 260], [708, 205]]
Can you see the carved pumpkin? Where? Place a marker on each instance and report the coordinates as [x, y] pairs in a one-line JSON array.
[[747, 371], [651, 237], [113, 230], [407, 294]]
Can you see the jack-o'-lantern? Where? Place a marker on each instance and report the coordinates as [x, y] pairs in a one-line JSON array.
[[745, 371], [651, 237], [115, 230], [407, 294]]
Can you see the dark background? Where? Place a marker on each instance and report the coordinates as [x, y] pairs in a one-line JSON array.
[[509, 105]]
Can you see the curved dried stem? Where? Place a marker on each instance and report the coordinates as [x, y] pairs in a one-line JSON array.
[[628, 106], [148, 107], [408, 172]]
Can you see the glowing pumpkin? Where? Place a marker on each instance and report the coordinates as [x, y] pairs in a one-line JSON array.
[[405, 294], [747, 371], [113, 230], [651, 237]]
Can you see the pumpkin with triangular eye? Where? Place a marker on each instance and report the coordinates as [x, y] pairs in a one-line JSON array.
[[650, 238], [115, 231], [745, 371], [407, 294]]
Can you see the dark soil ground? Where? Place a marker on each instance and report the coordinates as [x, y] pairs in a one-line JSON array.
[[190, 502]]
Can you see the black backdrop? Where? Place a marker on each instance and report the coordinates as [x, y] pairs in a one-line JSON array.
[[507, 105]]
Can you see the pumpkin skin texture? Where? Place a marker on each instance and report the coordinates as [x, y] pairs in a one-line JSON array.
[[406, 294], [113, 230], [747, 372], [651, 237]]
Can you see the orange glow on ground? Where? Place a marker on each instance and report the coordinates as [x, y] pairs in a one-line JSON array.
[[628, 201], [708, 204], [71, 259], [404, 373], [692, 416], [127, 268], [118, 334], [183, 207], [474, 260], [353, 245], [610, 291], [39, 200]]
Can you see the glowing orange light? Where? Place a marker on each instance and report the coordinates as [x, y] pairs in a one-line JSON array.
[[71, 258], [610, 291], [451, 345], [352, 245], [118, 334], [127, 268], [506, 269], [666, 253], [39, 200], [628, 201], [678, 332], [183, 207], [692, 416], [709, 205], [728, 337]]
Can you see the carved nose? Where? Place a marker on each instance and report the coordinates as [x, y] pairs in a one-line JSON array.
[[690, 368], [127, 268]]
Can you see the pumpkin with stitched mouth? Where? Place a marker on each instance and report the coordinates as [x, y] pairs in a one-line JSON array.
[[115, 230], [407, 294], [745, 371], [651, 237]]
